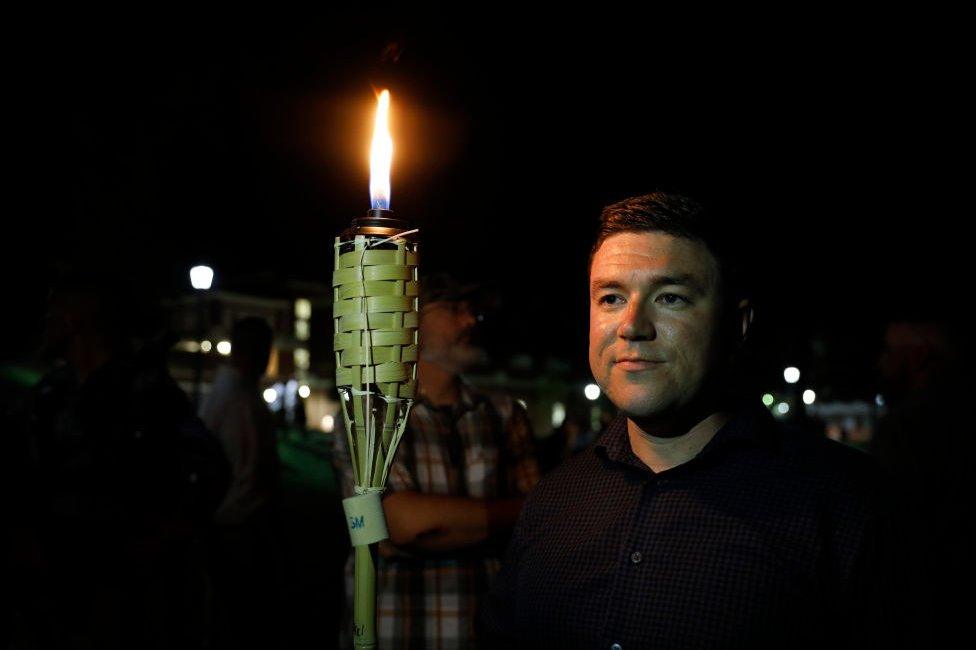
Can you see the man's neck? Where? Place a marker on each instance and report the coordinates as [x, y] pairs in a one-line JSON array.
[[662, 453], [438, 385]]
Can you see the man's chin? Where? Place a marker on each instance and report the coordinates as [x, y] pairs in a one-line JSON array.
[[469, 357], [648, 414], [663, 413], [641, 406]]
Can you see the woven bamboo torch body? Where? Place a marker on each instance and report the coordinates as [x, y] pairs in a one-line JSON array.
[[375, 290]]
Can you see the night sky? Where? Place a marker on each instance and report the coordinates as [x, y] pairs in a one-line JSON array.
[[246, 146]]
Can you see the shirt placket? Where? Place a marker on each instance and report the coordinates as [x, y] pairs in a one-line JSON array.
[[455, 444], [631, 573]]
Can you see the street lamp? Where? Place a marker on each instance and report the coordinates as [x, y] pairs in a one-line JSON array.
[[201, 279]]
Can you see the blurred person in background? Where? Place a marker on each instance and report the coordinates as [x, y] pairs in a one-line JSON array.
[[114, 483], [928, 452], [246, 562]]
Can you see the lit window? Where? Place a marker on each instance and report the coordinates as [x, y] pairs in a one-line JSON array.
[[188, 346], [303, 308], [301, 330], [301, 358]]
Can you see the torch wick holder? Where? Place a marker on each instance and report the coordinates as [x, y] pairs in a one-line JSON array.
[[376, 222]]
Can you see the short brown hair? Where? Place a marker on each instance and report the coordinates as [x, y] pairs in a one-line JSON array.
[[678, 216]]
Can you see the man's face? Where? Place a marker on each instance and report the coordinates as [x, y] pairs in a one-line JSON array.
[[910, 356], [446, 329], [654, 321]]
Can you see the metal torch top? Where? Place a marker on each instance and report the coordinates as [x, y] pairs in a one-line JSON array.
[[376, 222]]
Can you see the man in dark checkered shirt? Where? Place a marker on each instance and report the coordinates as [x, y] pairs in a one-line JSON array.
[[692, 522], [455, 489]]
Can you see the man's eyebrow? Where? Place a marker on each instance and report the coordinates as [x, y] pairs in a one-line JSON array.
[[603, 283], [682, 279]]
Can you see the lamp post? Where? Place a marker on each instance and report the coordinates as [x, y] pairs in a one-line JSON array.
[[201, 279]]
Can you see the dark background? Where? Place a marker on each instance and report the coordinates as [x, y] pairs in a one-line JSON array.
[[834, 142]]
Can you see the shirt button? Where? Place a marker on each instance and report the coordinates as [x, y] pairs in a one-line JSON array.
[[636, 557]]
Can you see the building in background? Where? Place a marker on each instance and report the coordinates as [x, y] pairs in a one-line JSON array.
[[299, 382]]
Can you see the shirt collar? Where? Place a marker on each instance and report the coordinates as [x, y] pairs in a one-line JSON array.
[[469, 399], [748, 427], [614, 444]]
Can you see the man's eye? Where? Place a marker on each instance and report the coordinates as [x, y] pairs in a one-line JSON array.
[[610, 299], [672, 299]]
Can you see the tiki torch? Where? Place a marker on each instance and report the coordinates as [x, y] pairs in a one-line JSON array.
[[375, 292]]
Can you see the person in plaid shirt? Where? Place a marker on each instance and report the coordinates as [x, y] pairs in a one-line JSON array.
[[455, 490]]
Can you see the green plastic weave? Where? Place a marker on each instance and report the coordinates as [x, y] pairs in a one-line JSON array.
[[375, 342]]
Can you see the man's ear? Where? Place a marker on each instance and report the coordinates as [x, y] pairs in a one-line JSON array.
[[745, 314]]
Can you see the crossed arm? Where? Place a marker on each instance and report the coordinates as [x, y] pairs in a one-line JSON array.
[[432, 523]]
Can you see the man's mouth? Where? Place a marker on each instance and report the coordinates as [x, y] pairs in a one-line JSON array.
[[636, 364]]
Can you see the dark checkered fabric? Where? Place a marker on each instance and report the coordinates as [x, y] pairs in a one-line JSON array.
[[765, 539]]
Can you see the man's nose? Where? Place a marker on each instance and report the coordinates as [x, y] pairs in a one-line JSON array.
[[636, 323], [466, 317]]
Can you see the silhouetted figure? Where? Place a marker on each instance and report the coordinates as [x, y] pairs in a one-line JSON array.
[[551, 450], [116, 483], [925, 444], [245, 560], [300, 418], [570, 437]]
